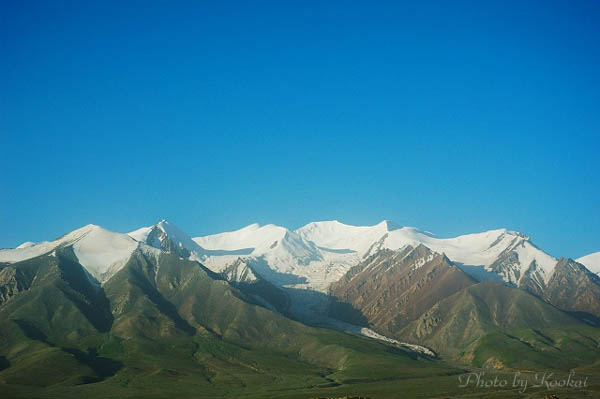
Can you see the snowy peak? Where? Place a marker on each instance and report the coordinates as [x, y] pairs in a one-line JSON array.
[[168, 237], [278, 254], [23, 252], [261, 240], [591, 261], [475, 249], [340, 236], [361, 239], [101, 252], [252, 236], [522, 263], [480, 249]]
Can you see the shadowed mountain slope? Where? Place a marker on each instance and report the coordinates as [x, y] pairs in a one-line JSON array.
[[172, 319]]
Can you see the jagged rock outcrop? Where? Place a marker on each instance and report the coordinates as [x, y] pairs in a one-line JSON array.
[[574, 288], [393, 288]]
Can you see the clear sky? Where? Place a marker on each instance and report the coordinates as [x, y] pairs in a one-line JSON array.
[[450, 116]]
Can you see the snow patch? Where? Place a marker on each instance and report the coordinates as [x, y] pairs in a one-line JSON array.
[[591, 261]]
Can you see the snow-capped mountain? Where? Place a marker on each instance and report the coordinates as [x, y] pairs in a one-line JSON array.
[[275, 252], [167, 237], [321, 252], [100, 251], [282, 256], [313, 256], [339, 236], [506, 253], [591, 261], [283, 247]]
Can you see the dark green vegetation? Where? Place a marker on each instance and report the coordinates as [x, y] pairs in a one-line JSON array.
[[162, 326], [167, 327]]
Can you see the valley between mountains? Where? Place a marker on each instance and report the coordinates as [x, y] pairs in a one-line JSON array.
[[328, 309]]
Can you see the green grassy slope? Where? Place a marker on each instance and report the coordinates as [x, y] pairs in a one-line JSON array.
[[166, 325], [491, 324]]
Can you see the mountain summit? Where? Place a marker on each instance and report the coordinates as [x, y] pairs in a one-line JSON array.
[[168, 237], [101, 252]]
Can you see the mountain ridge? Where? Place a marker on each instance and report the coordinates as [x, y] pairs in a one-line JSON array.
[[319, 252]]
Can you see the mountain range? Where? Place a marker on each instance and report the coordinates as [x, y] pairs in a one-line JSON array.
[[325, 305]]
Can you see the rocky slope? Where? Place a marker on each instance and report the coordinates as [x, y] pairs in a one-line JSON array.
[[393, 288], [574, 288]]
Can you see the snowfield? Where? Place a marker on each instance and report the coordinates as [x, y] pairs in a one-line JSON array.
[[101, 252], [591, 261], [321, 252]]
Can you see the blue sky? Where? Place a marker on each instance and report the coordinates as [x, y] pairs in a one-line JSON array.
[[454, 117]]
